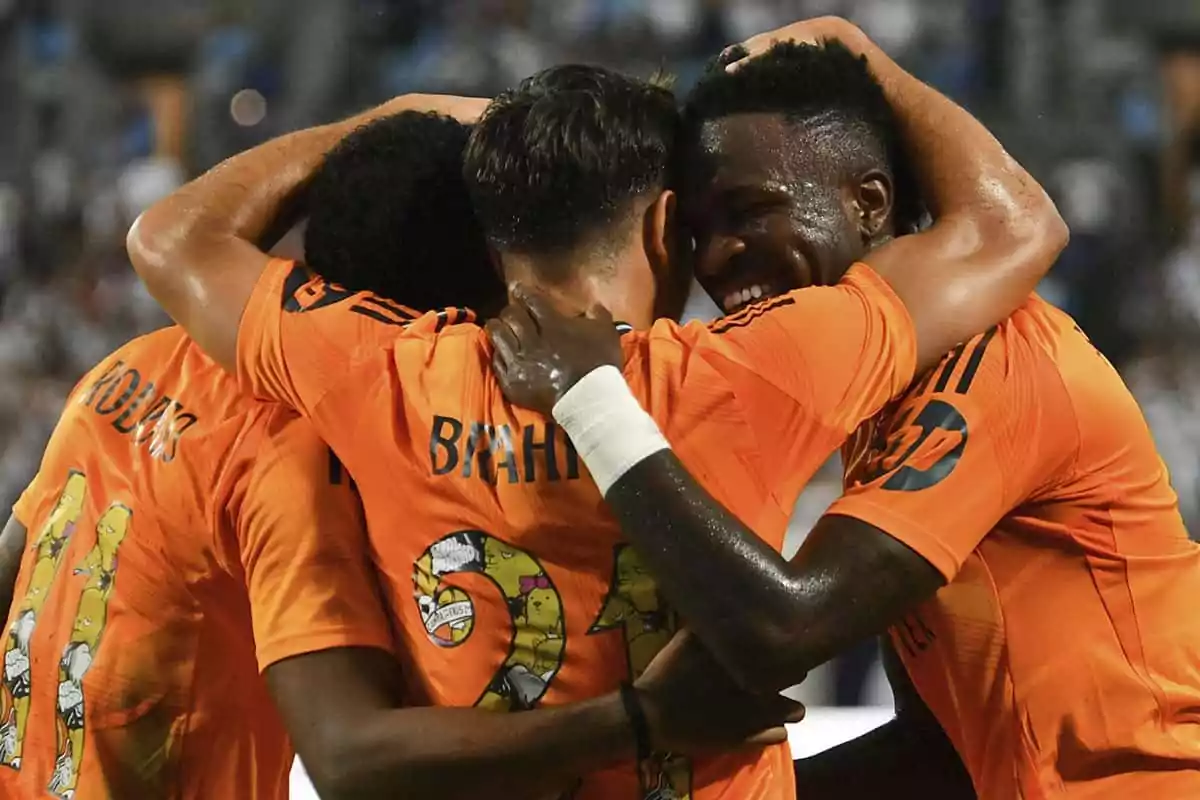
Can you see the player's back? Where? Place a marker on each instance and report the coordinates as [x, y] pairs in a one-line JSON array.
[[1108, 643], [510, 580], [505, 572], [1063, 657], [130, 667]]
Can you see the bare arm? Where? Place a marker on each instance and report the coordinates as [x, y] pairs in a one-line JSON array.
[[198, 250], [995, 233], [342, 707], [357, 741], [849, 581], [923, 494], [12, 546]]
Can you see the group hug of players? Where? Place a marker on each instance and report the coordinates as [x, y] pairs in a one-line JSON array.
[[317, 515]]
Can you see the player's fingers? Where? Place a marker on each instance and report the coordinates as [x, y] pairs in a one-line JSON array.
[[504, 346], [770, 736], [500, 370], [797, 715], [516, 316], [540, 308], [747, 50]]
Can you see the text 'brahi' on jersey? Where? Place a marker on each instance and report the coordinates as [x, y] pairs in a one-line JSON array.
[[501, 452]]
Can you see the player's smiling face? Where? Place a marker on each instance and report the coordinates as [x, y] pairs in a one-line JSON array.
[[765, 215]]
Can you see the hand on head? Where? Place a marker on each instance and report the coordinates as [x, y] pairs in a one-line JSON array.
[[807, 31], [540, 353]]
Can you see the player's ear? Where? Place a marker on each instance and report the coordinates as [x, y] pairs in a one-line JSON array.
[[658, 232], [873, 199]]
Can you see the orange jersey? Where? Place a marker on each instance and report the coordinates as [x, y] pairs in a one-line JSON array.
[[173, 524], [508, 577], [1063, 656]]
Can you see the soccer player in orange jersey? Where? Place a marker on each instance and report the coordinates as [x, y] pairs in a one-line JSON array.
[[181, 537], [511, 588], [1007, 520], [185, 537]]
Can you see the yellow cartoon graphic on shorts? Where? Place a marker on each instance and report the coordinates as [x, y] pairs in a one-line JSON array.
[[16, 687], [634, 607], [536, 648], [100, 567]]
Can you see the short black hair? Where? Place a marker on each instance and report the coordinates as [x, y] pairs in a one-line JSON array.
[[804, 82], [390, 214], [555, 162]]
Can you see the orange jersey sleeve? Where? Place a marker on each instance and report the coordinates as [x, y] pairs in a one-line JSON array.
[[302, 544], [984, 431], [804, 370], [299, 334]]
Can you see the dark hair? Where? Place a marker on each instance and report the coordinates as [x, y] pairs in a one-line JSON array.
[[804, 82], [390, 214], [555, 162]]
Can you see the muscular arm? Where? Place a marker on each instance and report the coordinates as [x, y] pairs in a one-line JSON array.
[[995, 233], [342, 707], [924, 495], [849, 581], [357, 742], [910, 756], [198, 250], [12, 546]]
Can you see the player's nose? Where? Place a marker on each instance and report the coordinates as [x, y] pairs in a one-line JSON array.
[[715, 252]]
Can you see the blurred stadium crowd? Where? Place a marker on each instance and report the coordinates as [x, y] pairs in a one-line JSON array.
[[107, 106]]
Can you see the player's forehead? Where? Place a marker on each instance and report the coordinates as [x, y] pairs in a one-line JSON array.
[[746, 152]]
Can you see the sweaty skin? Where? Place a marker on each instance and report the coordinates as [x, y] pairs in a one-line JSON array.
[[851, 580], [197, 252]]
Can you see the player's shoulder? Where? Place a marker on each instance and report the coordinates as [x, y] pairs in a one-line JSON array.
[[364, 315], [167, 355], [158, 345], [275, 461], [158, 369], [1032, 372], [303, 290], [442, 341], [365, 321], [1044, 343], [278, 438], [1030, 347], [820, 307], [1103, 408]]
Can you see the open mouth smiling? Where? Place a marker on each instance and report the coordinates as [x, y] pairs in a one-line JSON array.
[[736, 299]]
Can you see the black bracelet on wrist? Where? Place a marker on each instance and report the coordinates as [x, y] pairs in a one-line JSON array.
[[637, 719]]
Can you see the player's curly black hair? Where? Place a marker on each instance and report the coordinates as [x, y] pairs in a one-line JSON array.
[[390, 214], [805, 82], [555, 161]]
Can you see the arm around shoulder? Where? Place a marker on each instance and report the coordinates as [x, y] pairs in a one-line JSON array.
[[197, 249], [995, 231]]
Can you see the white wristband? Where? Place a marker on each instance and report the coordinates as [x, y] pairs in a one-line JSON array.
[[610, 430]]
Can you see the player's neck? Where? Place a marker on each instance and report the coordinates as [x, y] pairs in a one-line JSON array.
[[616, 288]]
